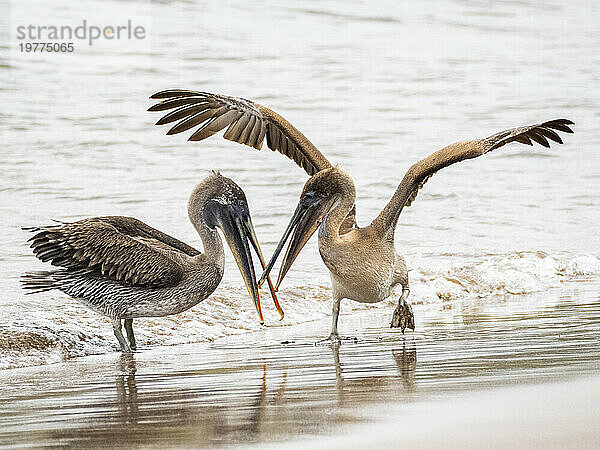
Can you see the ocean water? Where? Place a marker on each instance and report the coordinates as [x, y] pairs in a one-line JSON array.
[[375, 87], [275, 388]]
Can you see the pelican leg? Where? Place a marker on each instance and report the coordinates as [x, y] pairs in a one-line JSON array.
[[334, 337], [129, 329], [116, 324], [403, 314]]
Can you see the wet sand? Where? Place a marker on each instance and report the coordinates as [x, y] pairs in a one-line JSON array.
[[513, 371], [555, 415]]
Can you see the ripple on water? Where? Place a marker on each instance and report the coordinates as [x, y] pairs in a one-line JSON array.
[[69, 330]]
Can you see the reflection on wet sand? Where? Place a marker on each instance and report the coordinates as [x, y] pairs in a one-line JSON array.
[[250, 409], [127, 390], [246, 407], [261, 391], [253, 415], [405, 359]]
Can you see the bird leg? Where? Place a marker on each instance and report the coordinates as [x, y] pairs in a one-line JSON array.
[[116, 324], [334, 337], [403, 314], [129, 329]]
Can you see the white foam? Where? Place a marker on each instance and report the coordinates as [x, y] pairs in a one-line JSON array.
[[58, 328], [514, 274], [583, 265]]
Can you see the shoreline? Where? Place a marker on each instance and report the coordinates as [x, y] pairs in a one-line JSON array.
[[276, 385], [72, 332], [545, 415]]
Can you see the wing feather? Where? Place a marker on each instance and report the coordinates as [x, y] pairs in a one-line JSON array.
[[421, 171], [261, 136], [119, 248], [184, 111], [192, 121], [248, 123], [215, 124], [243, 139], [253, 138], [234, 132]]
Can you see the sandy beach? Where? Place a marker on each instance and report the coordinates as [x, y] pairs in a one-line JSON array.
[[554, 415], [496, 372], [503, 250]]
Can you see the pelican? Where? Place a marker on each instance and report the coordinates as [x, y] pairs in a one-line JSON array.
[[363, 263], [122, 268]]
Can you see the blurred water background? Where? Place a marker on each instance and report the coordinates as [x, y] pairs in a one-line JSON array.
[[376, 86]]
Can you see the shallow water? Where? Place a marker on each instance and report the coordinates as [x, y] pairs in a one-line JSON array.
[[276, 385], [374, 87]]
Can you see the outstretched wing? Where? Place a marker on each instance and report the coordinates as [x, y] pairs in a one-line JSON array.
[[119, 248], [247, 122], [420, 172]]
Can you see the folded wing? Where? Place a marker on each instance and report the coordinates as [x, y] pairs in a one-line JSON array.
[[123, 249]]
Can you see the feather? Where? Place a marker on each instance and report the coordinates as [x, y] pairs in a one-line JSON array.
[[250, 126]]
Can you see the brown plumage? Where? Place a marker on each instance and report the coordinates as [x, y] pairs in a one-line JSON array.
[[123, 268], [119, 248], [248, 123], [363, 263], [421, 171]]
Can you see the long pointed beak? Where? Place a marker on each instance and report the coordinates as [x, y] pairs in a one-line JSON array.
[[300, 210], [237, 235], [255, 244], [303, 224]]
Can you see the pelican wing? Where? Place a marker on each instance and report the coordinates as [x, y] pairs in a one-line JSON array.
[[153, 237], [247, 122], [119, 248], [420, 172]]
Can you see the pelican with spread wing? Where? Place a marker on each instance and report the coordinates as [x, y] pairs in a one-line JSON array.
[[363, 263], [124, 269]]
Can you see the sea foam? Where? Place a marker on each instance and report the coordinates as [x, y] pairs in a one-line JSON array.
[[59, 328]]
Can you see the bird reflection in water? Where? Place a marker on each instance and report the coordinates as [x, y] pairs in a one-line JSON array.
[[247, 404], [405, 360], [127, 393], [258, 408], [241, 416], [261, 404]]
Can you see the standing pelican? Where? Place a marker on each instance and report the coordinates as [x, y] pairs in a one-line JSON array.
[[123, 268], [362, 262]]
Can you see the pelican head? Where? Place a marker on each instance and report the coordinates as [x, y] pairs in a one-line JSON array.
[[320, 195], [217, 202]]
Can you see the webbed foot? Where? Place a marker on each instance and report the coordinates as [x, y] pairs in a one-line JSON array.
[[403, 317]]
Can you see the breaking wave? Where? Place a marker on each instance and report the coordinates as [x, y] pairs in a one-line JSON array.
[[516, 273], [59, 328]]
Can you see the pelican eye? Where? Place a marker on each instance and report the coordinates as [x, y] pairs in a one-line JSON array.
[[311, 198], [240, 207]]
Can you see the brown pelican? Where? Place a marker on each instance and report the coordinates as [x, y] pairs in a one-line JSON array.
[[362, 262], [123, 268]]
